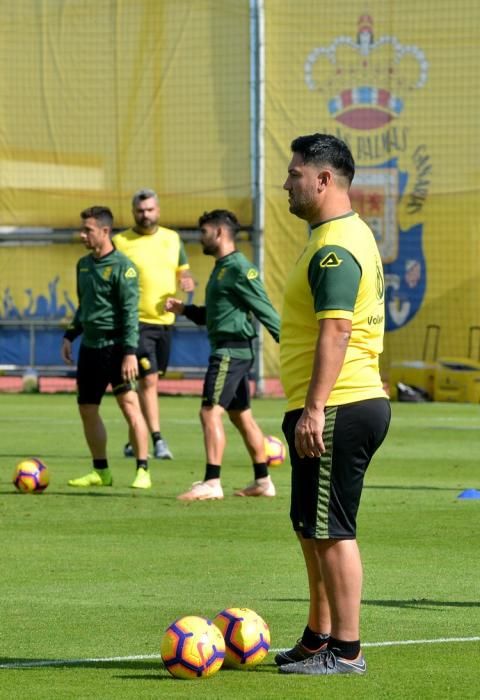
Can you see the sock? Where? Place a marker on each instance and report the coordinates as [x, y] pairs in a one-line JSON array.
[[313, 640], [100, 464], [212, 471], [156, 437], [142, 464], [260, 470], [347, 650]]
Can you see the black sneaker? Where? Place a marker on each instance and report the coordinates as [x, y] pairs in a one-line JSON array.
[[128, 450], [298, 653], [325, 663]]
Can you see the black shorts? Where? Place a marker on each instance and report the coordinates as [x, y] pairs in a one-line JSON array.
[[326, 491], [226, 383], [153, 348], [96, 369]]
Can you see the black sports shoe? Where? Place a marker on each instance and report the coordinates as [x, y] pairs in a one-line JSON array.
[[298, 653], [325, 663], [128, 450]]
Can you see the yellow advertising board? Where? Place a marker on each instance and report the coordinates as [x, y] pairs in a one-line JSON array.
[[398, 83], [100, 99]]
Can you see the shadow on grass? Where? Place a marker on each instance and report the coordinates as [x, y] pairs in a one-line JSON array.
[[89, 494], [412, 603], [24, 664], [423, 603], [394, 487]]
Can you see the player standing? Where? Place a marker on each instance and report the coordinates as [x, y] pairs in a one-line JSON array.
[[107, 319], [160, 258]]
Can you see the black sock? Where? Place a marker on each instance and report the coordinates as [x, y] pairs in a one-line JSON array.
[[261, 470], [142, 464], [347, 650], [212, 471], [313, 640], [156, 437], [100, 464]]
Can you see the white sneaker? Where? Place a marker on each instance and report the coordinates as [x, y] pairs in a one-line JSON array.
[[202, 491], [259, 487]]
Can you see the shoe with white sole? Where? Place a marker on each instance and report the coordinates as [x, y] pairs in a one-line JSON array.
[[259, 487], [202, 491]]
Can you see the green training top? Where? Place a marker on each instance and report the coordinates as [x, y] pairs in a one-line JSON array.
[[107, 311], [234, 292]]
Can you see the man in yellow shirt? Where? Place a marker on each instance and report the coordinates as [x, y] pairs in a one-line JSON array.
[[337, 411], [159, 256]]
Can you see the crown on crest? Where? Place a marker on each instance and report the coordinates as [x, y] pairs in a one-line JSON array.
[[367, 78]]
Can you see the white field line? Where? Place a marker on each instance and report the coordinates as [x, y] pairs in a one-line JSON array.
[[144, 657]]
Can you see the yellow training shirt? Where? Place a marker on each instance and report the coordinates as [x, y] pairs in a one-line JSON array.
[[158, 258], [338, 275]]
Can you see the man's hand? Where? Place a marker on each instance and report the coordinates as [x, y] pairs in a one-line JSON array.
[[66, 352], [187, 283], [176, 306], [309, 433], [129, 368]]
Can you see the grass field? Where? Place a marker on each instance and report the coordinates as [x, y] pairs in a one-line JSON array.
[[91, 578]]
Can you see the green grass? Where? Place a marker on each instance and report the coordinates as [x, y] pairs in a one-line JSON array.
[[99, 574]]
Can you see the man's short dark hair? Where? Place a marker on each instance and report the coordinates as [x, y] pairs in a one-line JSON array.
[[326, 149], [220, 217], [103, 215]]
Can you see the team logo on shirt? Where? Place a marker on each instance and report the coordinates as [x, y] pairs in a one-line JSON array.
[[107, 272], [331, 260], [252, 274], [221, 274], [130, 273]]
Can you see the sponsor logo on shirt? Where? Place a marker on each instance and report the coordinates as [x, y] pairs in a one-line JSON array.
[[331, 260], [130, 273], [252, 274]]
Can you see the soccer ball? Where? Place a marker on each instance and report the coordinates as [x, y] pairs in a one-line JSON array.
[[274, 451], [247, 637], [192, 647], [31, 476]]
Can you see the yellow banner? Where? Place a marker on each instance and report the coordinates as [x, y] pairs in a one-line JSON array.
[[398, 85], [100, 99]]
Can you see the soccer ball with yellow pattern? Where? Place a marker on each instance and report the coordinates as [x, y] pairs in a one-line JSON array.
[[192, 647], [31, 476], [246, 634], [274, 451]]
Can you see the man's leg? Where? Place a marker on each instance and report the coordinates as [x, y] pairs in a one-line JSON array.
[[211, 418], [148, 393], [137, 429], [147, 390], [341, 568], [96, 437], [319, 610], [254, 441], [94, 430]]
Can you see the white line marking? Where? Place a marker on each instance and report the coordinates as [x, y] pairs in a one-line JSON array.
[[144, 657]]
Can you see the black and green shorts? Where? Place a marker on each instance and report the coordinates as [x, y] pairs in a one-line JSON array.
[[326, 491], [226, 383], [96, 369]]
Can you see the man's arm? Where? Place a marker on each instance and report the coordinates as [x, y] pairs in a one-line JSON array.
[[197, 314], [127, 299], [186, 281], [73, 330], [251, 291], [330, 351]]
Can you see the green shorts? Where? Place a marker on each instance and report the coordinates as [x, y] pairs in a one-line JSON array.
[[226, 383], [326, 491]]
